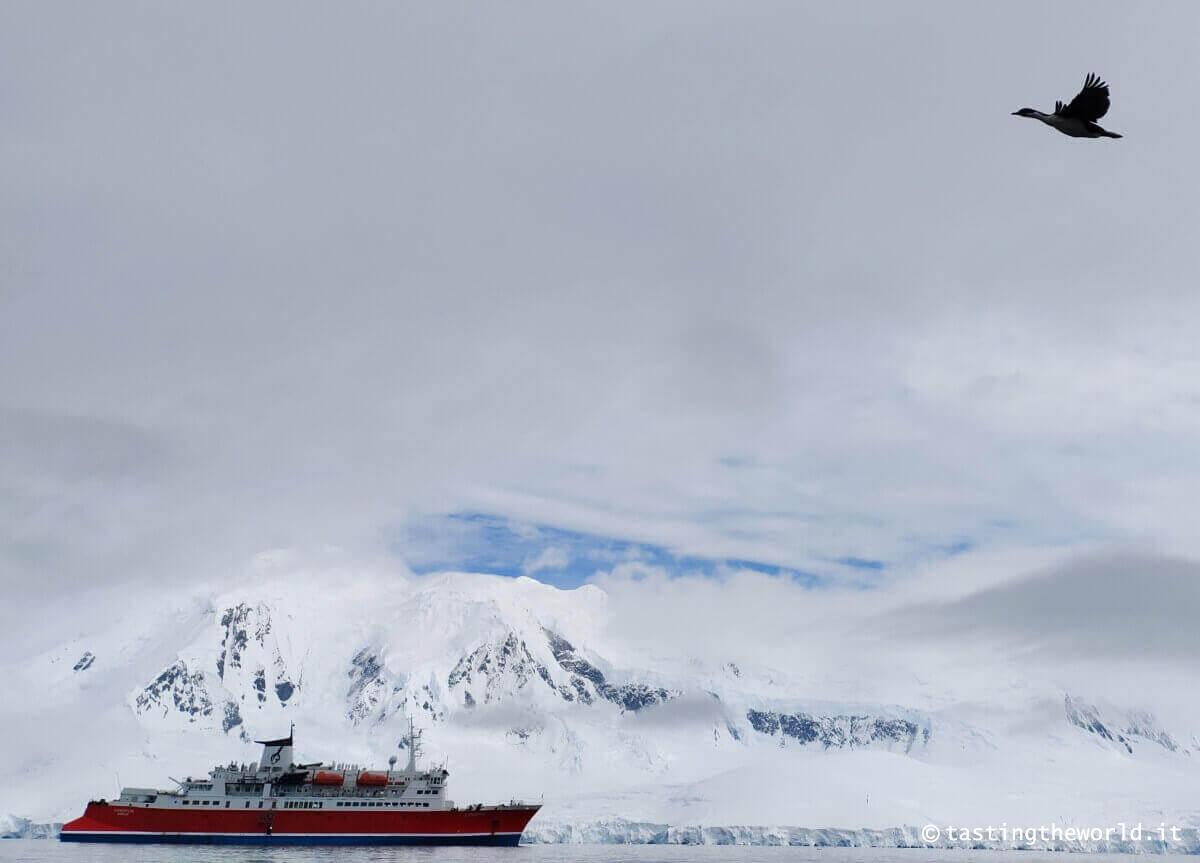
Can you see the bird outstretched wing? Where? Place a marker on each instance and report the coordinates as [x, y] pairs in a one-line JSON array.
[[1090, 105]]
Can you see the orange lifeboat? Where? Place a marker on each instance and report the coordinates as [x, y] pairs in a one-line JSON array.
[[373, 779], [328, 777]]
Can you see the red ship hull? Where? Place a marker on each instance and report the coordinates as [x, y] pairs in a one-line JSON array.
[[112, 822]]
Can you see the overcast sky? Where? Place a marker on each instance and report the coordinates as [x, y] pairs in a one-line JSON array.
[[783, 284]]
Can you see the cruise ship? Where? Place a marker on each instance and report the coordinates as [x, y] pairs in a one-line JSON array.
[[279, 802]]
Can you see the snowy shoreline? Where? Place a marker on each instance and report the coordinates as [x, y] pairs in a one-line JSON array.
[[620, 831]]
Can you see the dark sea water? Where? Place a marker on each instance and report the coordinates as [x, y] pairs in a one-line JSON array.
[[53, 851]]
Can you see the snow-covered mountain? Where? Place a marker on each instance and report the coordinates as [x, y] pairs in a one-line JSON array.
[[523, 689]]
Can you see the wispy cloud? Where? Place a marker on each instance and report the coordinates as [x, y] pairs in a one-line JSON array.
[[551, 558]]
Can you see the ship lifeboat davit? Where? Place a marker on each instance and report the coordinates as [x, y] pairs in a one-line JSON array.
[[328, 777], [372, 779]]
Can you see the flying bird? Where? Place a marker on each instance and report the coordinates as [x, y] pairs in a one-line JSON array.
[[1078, 119]]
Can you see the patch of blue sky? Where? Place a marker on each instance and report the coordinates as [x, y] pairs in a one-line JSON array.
[[864, 563], [482, 542], [956, 547]]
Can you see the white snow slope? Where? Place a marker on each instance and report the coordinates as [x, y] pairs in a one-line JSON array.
[[529, 691]]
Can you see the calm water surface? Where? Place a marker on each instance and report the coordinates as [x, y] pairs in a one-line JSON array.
[[53, 851]]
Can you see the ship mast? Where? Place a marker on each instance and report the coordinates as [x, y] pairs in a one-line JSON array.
[[414, 746]]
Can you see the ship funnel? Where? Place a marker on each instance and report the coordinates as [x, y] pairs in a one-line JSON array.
[[277, 754]]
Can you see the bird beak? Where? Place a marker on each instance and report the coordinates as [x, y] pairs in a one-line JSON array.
[[1016, 113]]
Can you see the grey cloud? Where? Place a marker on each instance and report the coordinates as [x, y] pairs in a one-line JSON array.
[[1103, 607], [81, 448], [340, 268]]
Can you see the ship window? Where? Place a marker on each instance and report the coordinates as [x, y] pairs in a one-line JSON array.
[[260, 803], [426, 805], [434, 791], [186, 802], [226, 804]]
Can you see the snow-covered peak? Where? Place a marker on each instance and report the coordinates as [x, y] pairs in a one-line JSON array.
[[524, 687]]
